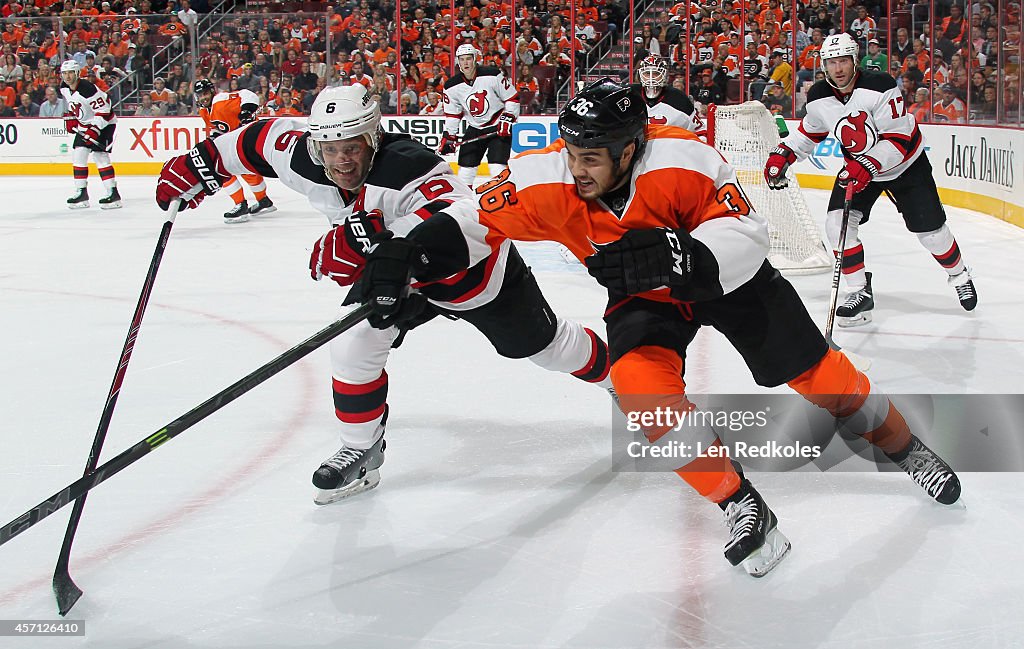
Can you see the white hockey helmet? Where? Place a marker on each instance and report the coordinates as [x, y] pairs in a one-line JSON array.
[[467, 49], [70, 65], [340, 113], [834, 47], [653, 75]]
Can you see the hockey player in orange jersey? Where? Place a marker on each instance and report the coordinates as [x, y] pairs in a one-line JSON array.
[[661, 221], [223, 113]]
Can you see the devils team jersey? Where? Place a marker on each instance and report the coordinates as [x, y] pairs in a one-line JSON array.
[[872, 122], [479, 101], [679, 182], [672, 107], [222, 116], [88, 104], [408, 183]]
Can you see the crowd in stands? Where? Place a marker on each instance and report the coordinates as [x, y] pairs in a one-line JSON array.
[[942, 59]]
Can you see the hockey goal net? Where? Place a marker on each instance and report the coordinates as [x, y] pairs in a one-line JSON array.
[[745, 134]]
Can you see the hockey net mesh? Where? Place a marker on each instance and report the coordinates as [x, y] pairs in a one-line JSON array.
[[745, 134]]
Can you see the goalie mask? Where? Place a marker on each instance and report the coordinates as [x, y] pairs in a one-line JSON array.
[[653, 75]]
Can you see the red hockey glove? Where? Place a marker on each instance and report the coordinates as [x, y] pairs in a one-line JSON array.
[[859, 171], [505, 122], [643, 260], [778, 163], [192, 176], [448, 144], [90, 133], [71, 122], [341, 253]]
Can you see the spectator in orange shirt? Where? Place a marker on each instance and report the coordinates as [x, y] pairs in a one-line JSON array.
[[8, 95], [286, 106], [160, 92], [949, 109], [921, 108]]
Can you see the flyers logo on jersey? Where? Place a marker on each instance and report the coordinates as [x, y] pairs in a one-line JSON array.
[[477, 103], [856, 133]]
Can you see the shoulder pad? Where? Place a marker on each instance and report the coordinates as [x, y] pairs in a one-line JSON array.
[[487, 71], [678, 99], [820, 90], [86, 89], [455, 80], [400, 160], [877, 81]]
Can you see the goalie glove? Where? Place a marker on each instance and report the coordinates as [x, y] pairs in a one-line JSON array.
[[505, 122], [858, 172], [778, 163], [341, 253], [643, 260], [449, 143]]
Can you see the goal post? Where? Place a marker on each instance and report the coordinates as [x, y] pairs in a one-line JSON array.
[[745, 135]]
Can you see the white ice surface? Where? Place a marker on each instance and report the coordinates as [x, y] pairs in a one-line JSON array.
[[498, 522]]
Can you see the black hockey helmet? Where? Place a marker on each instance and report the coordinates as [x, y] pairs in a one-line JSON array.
[[204, 85], [605, 114]]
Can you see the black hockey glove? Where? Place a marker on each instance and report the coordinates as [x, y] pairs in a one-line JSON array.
[[247, 114], [390, 266], [643, 260]]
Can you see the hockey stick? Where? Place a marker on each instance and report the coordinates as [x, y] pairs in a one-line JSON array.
[[64, 588], [481, 136], [181, 424], [858, 361]]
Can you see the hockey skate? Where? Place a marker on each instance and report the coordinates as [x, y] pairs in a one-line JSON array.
[[965, 292], [111, 202], [350, 471], [264, 206], [929, 471], [856, 308], [79, 200], [755, 540], [240, 214]]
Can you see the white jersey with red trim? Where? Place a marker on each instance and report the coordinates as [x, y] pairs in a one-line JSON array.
[[88, 104], [672, 107], [871, 122], [408, 183], [479, 101]]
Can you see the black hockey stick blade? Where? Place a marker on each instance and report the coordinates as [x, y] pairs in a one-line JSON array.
[[858, 361], [64, 588], [131, 455]]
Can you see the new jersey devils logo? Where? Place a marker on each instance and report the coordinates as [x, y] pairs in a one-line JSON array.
[[856, 133], [477, 103]]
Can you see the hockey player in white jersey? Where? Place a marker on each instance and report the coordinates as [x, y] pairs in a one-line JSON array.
[[884, 152], [365, 180], [91, 119], [666, 106], [489, 103]]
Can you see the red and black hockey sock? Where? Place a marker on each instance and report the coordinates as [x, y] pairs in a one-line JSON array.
[[598, 365], [81, 176], [107, 176], [944, 249], [361, 403]]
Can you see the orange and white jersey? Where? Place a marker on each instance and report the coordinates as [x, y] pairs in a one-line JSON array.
[[679, 183], [222, 115]]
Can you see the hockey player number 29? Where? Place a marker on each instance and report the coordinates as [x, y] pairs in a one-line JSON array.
[[497, 193]]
